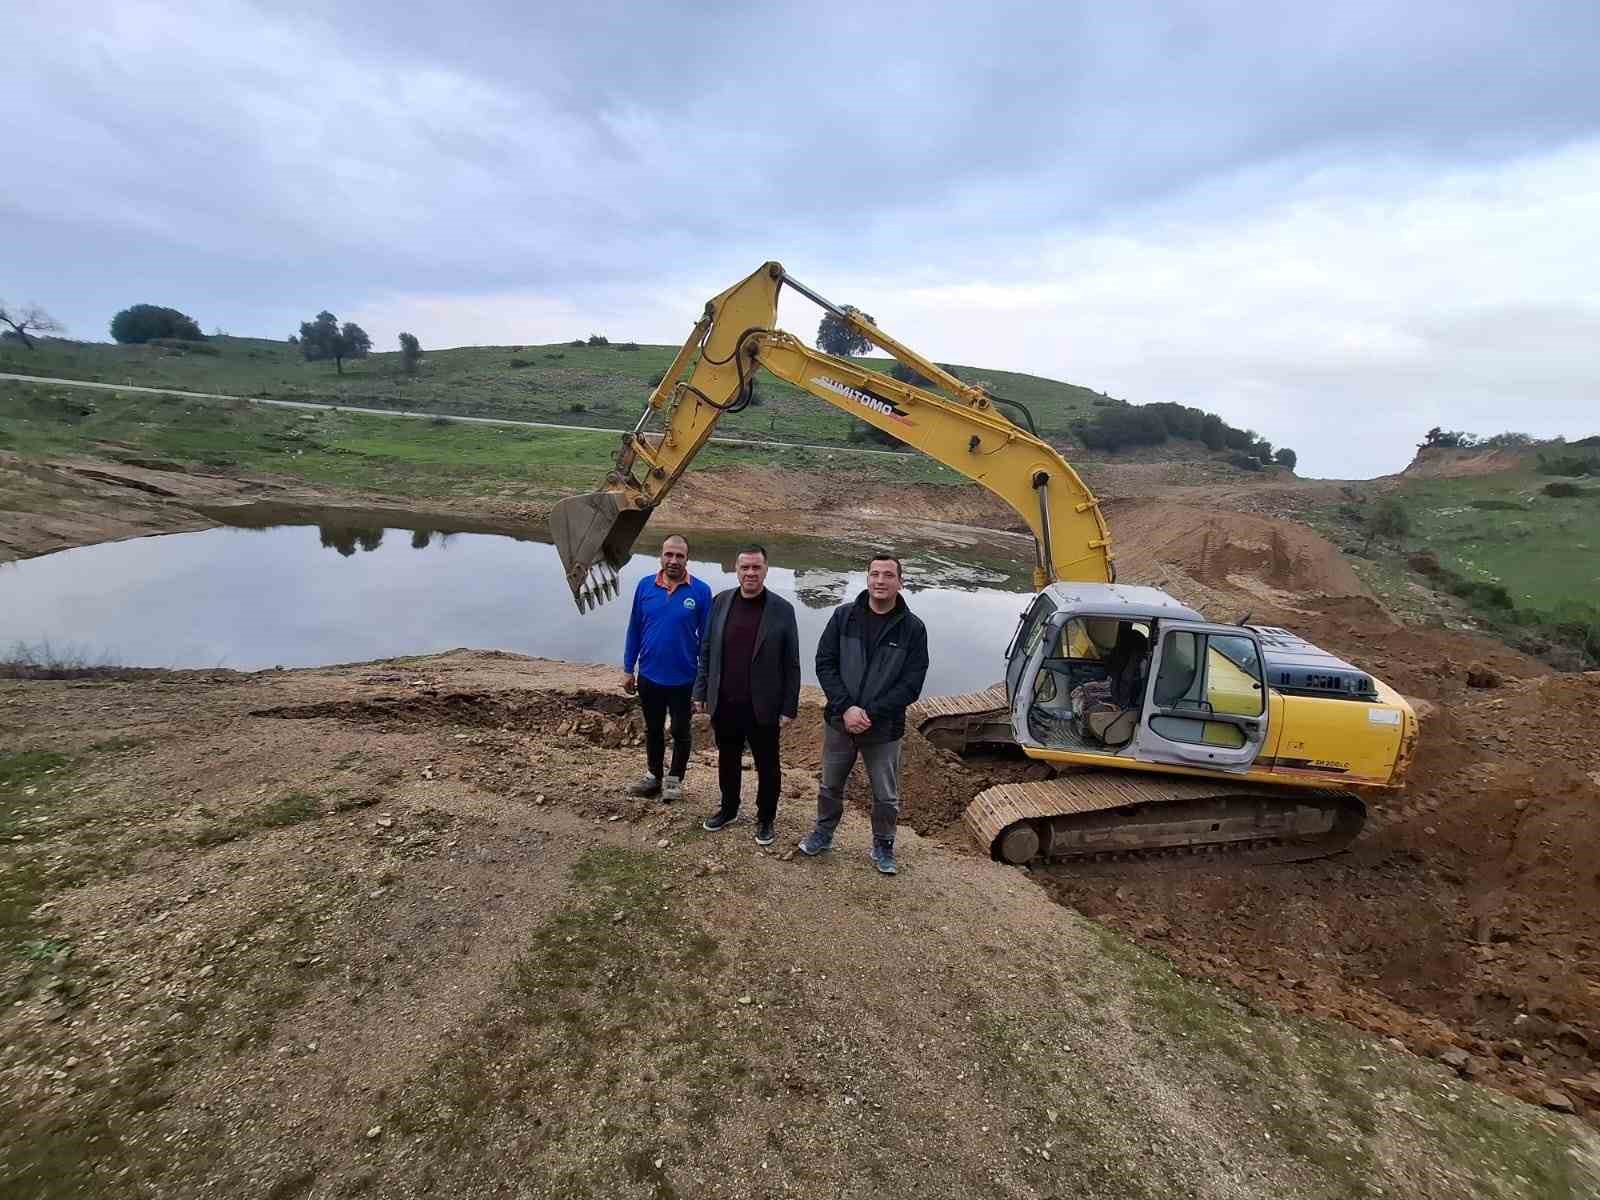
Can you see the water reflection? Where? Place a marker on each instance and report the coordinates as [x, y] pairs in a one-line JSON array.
[[267, 595]]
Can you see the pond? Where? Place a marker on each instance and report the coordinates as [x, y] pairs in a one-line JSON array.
[[287, 590]]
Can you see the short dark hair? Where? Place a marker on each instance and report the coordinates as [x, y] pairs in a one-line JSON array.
[[885, 556], [676, 537], [752, 548]]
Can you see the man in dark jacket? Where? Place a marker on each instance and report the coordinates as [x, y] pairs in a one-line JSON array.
[[871, 661], [749, 681]]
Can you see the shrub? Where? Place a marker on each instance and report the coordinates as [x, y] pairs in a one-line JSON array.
[[1245, 462], [1286, 457], [518, 363], [1493, 505], [557, 356], [597, 339], [655, 380], [628, 346], [1564, 491], [576, 342], [1388, 519], [577, 406], [146, 322]]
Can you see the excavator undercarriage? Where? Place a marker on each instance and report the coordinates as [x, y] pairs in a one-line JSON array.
[[1088, 814]]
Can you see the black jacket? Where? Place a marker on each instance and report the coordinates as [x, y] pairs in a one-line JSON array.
[[882, 679], [774, 668]]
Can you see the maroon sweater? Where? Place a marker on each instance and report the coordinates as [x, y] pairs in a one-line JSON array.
[[739, 647]]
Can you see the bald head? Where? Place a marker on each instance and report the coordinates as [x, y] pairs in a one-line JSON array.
[[675, 557]]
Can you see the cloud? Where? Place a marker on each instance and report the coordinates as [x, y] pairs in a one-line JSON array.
[[1262, 208]]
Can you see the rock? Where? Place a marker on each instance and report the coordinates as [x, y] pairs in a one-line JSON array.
[[385, 822], [1396, 1044], [1456, 1059], [1557, 1101], [1481, 676], [744, 999], [663, 843], [374, 1133], [207, 971], [787, 855], [1587, 1089], [539, 799]]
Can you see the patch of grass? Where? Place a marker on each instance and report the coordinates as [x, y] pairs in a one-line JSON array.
[[610, 982], [289, 809]]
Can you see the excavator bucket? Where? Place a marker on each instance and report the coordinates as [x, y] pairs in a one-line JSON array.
[[594, 534]]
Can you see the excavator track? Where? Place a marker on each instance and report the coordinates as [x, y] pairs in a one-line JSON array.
[[970, 719], [1107, 815]]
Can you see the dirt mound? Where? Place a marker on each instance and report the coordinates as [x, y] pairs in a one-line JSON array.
[[936, 784], [1440, 463], [1466, 917], [1201, 554]]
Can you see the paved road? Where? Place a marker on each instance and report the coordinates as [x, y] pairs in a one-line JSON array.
[[425, 416]]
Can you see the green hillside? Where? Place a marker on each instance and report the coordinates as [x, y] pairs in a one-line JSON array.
[[601, 386], [1526, 560]]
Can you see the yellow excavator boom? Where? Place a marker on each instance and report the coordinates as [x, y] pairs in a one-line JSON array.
[[712, 375]]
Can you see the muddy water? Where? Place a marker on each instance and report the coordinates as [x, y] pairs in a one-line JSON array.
[[307, 594]]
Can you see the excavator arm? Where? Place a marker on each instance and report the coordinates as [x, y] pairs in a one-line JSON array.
[[713, 373]]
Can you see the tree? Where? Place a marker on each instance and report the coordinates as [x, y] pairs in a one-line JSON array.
[[1263, 451], [1448, 439], [29, 319], [323, 339], [410, 352], [1213, 432], [145, 322], [839, 338], [1286, 458]]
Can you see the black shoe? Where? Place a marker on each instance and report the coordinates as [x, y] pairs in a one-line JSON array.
[[718, 819], [765, 834]]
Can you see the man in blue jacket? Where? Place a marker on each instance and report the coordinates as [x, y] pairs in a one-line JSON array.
[[671, 610], [871, 662]]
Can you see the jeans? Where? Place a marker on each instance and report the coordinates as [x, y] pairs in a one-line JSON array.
[[735, 725], [839, 752], [656, 701]]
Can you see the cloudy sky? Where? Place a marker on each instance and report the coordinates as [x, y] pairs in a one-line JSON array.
[[1338, 225]]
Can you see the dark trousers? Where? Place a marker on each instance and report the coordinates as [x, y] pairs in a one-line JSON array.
[[735, 726], [657, 701]]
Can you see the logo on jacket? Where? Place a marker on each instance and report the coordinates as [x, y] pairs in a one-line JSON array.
[[688, 602]]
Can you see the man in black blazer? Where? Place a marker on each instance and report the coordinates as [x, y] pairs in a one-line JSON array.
[[749, 681]]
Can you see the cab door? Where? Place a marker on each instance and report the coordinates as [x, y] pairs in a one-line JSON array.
[[1030, 631], [1206, 701]]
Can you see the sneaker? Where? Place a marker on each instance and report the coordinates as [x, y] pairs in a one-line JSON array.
[[718, 819], [647, 785], [765, 834], [814, 844], [671, 789], [883, 856]]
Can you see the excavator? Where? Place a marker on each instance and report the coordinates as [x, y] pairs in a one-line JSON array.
[[1166, 733]]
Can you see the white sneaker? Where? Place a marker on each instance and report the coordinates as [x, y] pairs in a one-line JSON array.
[[671, 789]]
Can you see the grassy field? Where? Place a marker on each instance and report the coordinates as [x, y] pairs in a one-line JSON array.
[[415, 458], [603, 386], [1524, 562]]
